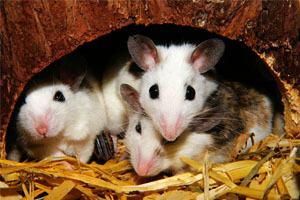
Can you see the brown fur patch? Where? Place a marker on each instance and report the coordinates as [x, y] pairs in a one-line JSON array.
[[242, 107], [135, 70]]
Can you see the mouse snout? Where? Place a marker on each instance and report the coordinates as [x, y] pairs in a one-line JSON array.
[[41, 124], [144, 165], [170, 128], [42, 128]]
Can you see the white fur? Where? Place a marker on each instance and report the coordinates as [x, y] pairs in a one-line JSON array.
[[173, 74], [73, 124], [145, 144], [191, 145], [116, 110], [167, 156]]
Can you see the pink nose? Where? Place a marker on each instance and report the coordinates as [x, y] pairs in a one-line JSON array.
[[144, 165], [170, 130], [42, 128], [41, 122]]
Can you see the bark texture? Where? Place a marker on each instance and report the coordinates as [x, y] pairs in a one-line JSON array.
[[36, 33]]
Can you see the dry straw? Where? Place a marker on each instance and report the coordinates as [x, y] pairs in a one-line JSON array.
[[267, 171]]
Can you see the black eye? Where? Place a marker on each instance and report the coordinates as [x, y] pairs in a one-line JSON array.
[[190, 93], [138, 128], [59, 96], [153, 91]]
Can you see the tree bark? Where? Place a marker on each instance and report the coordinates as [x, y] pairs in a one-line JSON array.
[[36, 33]]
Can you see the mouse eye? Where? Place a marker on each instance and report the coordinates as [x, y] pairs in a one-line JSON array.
[[59, 96], [154, 92], [138, 128], [190, 93]]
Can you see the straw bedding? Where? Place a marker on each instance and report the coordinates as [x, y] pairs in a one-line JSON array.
[[268, 170]]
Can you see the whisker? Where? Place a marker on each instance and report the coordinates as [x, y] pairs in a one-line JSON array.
[[232, 119]]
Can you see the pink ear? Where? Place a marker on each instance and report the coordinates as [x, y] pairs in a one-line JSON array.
[[143, 51], [207, 54], [131, 97], [148, 60]]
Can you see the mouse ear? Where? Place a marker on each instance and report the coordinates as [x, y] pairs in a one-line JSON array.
[[72, 70], [77, 81], [143, 51], [207, 120], [207, 54], [131, 97]]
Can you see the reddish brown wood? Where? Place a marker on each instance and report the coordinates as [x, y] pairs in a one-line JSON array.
[[36, 33]]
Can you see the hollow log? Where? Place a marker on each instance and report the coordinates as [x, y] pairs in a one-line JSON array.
[[36, 33]]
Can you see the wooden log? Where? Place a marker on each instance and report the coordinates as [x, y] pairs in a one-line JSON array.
[[36, 33]]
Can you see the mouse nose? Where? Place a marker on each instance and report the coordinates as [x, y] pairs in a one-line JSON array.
[[170, 129], [42, 128], [144, 165], [41, 124]]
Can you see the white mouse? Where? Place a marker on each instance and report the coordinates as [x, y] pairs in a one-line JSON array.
[[61, 115], [227, 115], [119, 71], [174, 87]]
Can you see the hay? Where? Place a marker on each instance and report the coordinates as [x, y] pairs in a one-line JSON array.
[[266, 171]]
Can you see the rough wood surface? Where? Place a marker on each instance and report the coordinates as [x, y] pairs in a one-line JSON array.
[[36, 33]]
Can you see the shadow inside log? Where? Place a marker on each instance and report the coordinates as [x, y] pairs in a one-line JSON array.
[[238, 63]]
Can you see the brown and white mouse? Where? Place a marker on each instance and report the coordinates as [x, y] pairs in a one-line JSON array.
[[229, 112], [174, 87]]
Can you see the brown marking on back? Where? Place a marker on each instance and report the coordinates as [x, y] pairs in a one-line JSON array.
[[135, 70], [239, 103]]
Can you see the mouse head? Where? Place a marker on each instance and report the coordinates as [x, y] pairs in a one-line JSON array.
[[48, 103], [143, 142], [173, 89]]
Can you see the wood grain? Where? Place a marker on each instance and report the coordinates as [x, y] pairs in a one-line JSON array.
[[35, 33]]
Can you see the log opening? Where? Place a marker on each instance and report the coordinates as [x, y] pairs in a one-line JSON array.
[[239, 63], [35, 33]]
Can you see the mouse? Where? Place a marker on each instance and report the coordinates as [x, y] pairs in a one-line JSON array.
[[62, 113], [118, 71], [175, 86], [212, 134]]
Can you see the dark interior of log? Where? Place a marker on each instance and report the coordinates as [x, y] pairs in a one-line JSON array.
[[238, 62]]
